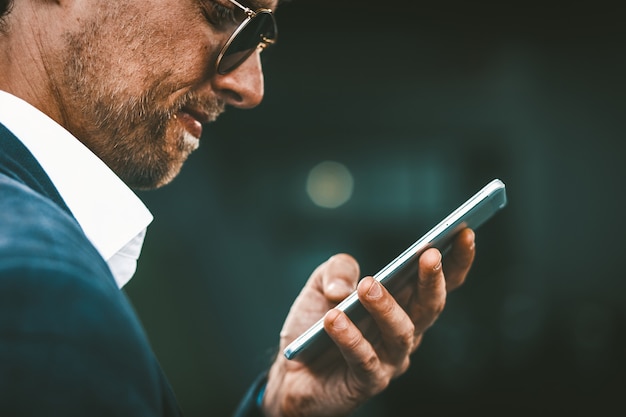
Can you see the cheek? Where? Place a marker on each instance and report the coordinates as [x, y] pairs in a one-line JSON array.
[[166, 52], [184, 44], [201, 44], [194, 54]]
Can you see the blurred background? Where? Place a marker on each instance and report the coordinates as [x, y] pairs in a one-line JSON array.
[[403, 110]]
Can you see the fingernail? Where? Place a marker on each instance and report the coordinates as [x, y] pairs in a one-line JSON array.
[[340, 322], [437, 267], [375, 291]]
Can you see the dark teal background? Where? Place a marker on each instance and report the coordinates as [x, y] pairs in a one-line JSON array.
[[424, 103]]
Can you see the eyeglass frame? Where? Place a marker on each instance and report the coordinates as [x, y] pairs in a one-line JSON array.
[[263, 42]]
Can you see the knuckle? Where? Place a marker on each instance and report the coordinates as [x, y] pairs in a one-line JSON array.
[[403, 367], [406, 339], [416, 342], [387, 308], [432, 282], [424, 315], [353, 339], [370, 364], [434, 307], [297, 405], [375, 383]]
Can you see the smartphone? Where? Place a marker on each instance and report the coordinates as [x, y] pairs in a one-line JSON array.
[[473, 213]]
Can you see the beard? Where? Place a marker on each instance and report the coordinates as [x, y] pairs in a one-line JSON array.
[[136, 133]]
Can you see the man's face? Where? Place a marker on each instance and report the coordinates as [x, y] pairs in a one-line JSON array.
[[138, 78]]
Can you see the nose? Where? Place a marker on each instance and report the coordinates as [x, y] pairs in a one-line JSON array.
[[243, 86]]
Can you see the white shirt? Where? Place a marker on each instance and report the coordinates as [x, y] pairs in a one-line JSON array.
[[111, 215]]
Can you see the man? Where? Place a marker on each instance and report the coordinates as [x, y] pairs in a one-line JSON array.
[[97, 91]]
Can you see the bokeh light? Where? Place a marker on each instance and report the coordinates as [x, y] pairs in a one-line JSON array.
[[329, 184]]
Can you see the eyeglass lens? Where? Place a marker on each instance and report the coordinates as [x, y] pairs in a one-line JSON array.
[[261, 27]]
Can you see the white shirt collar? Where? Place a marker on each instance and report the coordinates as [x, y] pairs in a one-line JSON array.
[[110, 214]]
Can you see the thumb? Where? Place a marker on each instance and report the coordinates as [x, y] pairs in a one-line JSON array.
[[339, 277]]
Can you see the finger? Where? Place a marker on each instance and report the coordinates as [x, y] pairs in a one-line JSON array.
[[430, 297], [358, 353], [329, 283], [339, 277], [394, 324], [458, 261]]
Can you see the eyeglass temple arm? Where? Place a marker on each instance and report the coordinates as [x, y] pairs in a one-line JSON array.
[[247, 10]]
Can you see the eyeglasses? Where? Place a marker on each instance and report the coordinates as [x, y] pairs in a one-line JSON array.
[[258, 30]]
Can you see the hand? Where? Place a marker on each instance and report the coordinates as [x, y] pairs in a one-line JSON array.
[[336, 383]]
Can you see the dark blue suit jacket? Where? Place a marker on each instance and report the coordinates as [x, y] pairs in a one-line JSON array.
[[70, 342]]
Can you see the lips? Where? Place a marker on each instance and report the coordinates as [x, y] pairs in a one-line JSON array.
[[192, 121]]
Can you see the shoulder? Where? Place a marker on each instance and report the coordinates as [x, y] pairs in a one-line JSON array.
[[44, 253], [48, 266], [35, 229], [67, 333]]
